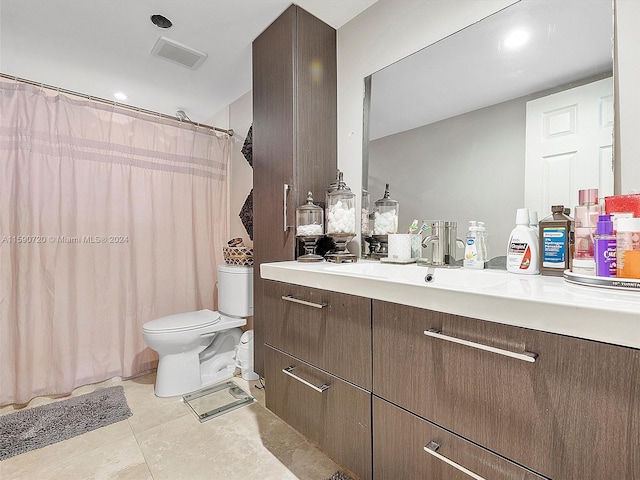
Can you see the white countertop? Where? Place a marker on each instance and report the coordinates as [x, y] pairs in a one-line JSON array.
[[532, 301]]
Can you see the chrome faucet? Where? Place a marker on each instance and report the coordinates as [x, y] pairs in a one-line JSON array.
[[441, 244]]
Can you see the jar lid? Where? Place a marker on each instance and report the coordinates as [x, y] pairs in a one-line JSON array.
[[628, 225]]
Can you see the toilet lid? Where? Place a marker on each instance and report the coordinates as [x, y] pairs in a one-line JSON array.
[[182, 321]]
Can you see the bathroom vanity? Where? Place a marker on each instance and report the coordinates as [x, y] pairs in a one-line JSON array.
[[400, 371]]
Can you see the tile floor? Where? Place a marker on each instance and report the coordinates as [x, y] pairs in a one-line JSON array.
[[164, 440]]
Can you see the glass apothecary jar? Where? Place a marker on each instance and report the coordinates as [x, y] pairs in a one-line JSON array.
[[309, 219], [386, 215], [309, 228], [365, 206], [341, 210]]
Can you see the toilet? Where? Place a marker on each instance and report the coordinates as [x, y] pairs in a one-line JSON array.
[[196, 349]]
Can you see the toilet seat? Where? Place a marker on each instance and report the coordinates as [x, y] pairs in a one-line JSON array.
[[182, 322]]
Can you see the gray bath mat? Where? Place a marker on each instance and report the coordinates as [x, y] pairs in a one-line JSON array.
[[40, 426]]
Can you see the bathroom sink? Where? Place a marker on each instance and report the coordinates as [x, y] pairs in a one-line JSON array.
[[419, 275]]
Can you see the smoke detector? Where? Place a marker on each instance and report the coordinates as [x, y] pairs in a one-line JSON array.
[[178, 53]]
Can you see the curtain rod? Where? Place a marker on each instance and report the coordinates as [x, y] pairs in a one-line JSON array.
[[110, 102]]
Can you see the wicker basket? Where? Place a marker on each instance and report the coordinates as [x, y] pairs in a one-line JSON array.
[[242, 256]]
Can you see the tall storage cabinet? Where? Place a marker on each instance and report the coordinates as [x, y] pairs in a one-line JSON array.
[[294, 138]]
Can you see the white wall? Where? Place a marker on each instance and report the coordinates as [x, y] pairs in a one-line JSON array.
[[237, 116], [240, 119], [384, 33]]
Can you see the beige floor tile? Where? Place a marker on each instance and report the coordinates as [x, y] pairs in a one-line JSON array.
[[110, 459], [148, 410], [235, 445], [164, 440]]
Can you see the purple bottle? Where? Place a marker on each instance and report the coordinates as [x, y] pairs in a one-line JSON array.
[[604, 247]]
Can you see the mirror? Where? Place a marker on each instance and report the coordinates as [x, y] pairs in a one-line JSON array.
[[445, 127]]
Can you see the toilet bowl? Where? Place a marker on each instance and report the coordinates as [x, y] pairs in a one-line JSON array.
[[196, 349]]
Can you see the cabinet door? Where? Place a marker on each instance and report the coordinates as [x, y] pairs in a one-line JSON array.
[[294, 137], [337, 418], [401, 441], [572, 414], [327, 329]]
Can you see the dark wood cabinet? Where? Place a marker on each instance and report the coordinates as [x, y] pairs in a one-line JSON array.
[[294, 138], [564, 407], [406, 446], [333, 414], [327, 329]]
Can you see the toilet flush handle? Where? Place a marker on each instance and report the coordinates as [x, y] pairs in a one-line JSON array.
[[206, 335]]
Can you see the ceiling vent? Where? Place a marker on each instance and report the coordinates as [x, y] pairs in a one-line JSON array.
[[178, 53]]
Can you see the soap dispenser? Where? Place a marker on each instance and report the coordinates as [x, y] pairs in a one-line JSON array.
[[473, 254]]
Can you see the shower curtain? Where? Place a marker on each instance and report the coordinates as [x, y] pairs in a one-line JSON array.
[[108, 218]]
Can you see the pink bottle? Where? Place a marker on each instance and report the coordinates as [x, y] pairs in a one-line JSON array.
[[586, 218]]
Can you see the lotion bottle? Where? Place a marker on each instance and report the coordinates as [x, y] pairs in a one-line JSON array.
[[473, 257], [522, 250], [604, 247]]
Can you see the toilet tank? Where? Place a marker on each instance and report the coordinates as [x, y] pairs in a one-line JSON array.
[[235, 290]]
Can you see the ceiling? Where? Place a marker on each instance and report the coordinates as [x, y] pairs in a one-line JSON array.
[[101, 47]]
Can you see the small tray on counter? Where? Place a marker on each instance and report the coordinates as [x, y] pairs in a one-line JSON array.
[[626, 284]]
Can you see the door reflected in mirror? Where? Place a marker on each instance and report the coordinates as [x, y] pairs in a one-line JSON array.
[[447, 126]]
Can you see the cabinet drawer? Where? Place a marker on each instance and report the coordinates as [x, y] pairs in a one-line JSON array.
[[337, 419], [400, 439], [572, 414], [327, 329]]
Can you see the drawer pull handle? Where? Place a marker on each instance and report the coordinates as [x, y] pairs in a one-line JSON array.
[[432, 448], [289, 371], [526, 356], [290, 298]]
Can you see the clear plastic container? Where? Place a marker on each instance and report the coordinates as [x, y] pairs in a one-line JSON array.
[[628, 248]]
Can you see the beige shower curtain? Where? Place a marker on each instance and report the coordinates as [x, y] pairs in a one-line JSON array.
[[108, 219]]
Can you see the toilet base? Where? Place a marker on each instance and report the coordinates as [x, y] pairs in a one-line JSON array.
[[190, 371]]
